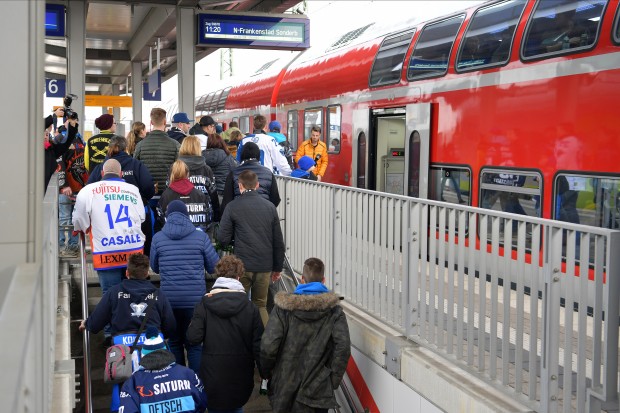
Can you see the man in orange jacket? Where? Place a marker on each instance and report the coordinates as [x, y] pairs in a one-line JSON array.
[[316, 149]]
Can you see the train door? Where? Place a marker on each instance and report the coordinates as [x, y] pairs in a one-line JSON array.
[[385, 166], [417, 149]]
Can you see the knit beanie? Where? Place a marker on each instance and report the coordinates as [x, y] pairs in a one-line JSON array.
[[176, 206], [104, 122], [153, 341], [305, 163]]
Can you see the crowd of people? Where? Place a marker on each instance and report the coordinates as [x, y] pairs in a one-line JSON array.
[[150, 201]]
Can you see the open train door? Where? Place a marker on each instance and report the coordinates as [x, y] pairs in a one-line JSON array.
[[417, 148]]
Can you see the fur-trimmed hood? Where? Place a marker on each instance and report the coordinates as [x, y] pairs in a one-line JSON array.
[[315, 302]]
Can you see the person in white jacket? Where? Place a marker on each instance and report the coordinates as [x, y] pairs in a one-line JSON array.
[[271, 154], [111, 213]]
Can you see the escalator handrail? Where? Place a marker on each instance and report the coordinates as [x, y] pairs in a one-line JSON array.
[[86, 381]]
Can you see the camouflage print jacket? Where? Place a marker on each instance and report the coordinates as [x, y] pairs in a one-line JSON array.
[[304, 351]]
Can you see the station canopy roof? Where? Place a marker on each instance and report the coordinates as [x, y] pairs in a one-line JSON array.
[[121, 31]]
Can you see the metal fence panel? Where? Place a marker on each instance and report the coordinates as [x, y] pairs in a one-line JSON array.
[[522, 302]]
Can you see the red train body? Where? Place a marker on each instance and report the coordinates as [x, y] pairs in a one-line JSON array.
[[539, 128]]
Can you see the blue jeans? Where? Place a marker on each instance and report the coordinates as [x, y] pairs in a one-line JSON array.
[[108, 279], [239, 410], [65, 214], [178, 342]]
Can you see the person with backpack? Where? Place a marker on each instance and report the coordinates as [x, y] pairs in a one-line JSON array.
[[160, 384], [125, 305]]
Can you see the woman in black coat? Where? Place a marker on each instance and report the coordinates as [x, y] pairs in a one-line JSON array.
[[219, 159], [229, 328]]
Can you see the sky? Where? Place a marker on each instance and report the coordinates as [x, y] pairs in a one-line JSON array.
[[328, 21]]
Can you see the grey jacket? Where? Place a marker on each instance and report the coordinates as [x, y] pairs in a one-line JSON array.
[[304, 351]]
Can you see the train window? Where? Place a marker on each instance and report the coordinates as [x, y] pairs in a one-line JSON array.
[[413, 180], [450, 184], [361, 160], [244, 124], [514, 191], [388, 64], [432, 51], [489, 36], [221, 104], [334, 116], [313, 117], [214, 101], [562, 27], [587, 200], [292, 128], [616, 32]]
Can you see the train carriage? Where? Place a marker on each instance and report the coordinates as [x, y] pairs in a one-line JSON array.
[[508, 105]]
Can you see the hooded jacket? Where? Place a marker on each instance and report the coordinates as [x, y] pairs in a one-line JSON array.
[[305, 371], [158, 152], [125, 305], [160, 385], [221, 164], [198, 205], [134, 172], [229, 328], [180, 255], [254, 224], [201, 175]]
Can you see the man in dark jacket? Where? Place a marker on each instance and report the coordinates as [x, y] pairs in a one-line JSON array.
[[157, 151], [160, 385], [254, 224], [304, 373], [180, 126], [124, 306], [229, 328], [268, 187], [180, 254]]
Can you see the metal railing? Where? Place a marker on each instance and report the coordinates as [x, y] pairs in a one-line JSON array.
[[528, 305], [28, 300]]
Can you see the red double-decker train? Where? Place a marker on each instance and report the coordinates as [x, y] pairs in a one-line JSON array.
[[509, 105]]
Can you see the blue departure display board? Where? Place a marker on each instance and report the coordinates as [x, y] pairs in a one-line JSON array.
[[54, 20], [248, 31]]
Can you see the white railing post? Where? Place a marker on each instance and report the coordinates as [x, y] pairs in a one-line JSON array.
[[551, 320]]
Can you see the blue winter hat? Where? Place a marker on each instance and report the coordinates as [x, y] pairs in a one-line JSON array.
[[218, 128], [274, 125], [153, 341], [305, 163], [181, 117], [176, 206]]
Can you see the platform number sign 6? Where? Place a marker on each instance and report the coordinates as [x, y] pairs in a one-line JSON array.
[[55, 88]]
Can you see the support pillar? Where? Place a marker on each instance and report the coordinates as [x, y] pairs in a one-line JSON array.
[[76, 54], [136, 91], [186, 29], [22, 85]]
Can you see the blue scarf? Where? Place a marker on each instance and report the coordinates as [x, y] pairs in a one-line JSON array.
[[311, 289]]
